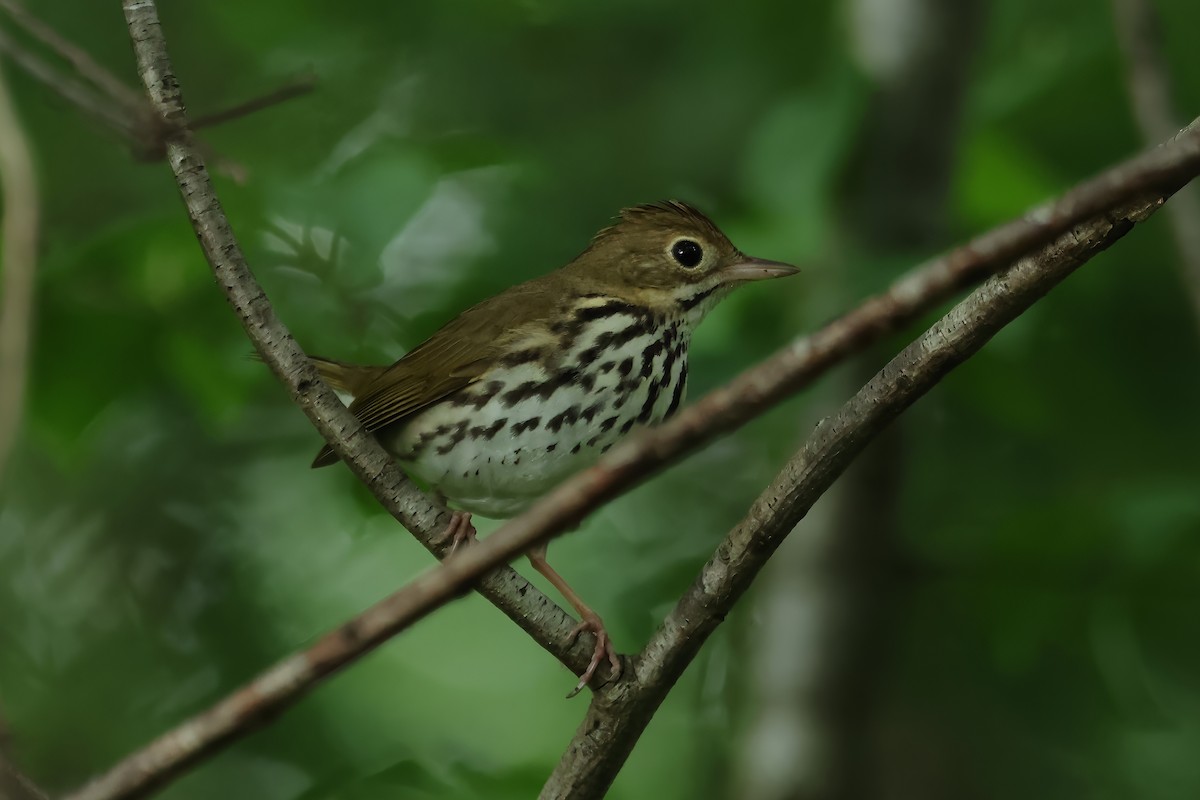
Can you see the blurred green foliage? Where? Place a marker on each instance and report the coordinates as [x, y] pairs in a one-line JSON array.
[[162, 539]]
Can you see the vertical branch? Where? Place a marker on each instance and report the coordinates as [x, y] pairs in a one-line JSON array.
[[821, 650], [1139, 32], [898, 204], [19, 256]]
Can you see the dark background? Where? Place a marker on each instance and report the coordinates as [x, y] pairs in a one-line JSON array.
[[1000, 602]]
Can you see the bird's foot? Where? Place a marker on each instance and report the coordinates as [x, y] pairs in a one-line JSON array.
[[604, 650], [459, 531]]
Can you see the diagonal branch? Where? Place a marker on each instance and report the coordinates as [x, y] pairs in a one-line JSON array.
[[616, 719], [298, 86]]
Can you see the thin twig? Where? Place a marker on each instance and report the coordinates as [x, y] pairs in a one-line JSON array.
[[19, 255], [74, 91], [102, 96], [1139, 32], [15, 786], [87, 67], [296, 87], [616, 719], [626, 465]]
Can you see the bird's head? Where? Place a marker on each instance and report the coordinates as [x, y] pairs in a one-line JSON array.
[[671, 257]]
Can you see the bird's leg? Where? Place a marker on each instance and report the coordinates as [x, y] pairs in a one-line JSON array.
[[458, 531], [591, 621]]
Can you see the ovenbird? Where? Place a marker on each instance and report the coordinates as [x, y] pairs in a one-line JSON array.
[[534, 384]]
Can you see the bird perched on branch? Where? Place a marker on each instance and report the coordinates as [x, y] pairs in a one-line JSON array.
[[520, 391]]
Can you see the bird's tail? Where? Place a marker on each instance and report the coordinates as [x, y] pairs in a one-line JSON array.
[[349, 378]]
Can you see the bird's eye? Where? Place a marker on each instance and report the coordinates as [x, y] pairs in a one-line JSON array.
[[687, 253]]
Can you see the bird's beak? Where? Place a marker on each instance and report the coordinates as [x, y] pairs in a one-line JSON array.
[[755, 269]]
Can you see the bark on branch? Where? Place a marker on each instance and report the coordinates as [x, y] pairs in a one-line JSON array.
[[1160, 171]]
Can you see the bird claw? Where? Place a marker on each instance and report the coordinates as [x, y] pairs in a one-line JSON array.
[[603, 650], [458, 531]]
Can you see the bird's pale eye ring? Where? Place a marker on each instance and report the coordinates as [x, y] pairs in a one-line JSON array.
[[687, 253]]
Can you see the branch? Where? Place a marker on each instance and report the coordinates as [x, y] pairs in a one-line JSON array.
[[1139, 32], [625, 466], [74, 91], [615, 720], [19, 254], [102, 96], [296, 87], [76, 56]]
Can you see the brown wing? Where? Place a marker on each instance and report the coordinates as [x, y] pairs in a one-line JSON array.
[[451, 359]]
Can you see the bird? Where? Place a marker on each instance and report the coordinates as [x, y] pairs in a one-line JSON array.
[[534, 384]]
